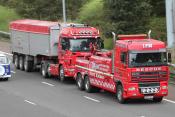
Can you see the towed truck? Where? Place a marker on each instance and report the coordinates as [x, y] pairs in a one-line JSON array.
[[136, 68], [50, 46]]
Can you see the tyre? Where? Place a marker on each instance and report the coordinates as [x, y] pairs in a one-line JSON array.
[[16, 61], [88, 86], [61, 74], [80, 82], [28, 65], [157, 99], [21, 63], [6, 79], [119, 94], [44, 71]]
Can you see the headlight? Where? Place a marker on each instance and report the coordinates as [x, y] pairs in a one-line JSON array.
[[132, 89], [164, 87]]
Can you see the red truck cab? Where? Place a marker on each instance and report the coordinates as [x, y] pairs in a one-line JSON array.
[[136, 69], [74, 41]]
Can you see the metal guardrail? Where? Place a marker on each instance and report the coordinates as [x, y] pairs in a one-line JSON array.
[[4, 34], [172, 65]]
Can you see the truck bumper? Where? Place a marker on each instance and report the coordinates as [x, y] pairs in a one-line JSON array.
[[5, 76], [133, 91]]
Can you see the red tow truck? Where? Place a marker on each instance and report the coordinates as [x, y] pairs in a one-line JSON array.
[[136, 68], [51, 46]]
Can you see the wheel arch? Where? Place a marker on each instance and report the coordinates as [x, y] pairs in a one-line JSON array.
[[77, 75], [85, 76], [118, 82]]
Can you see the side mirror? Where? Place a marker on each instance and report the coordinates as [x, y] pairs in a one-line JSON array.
[[63, 43], [102, 44], [169, 58]]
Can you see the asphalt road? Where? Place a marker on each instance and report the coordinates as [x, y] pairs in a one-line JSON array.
[[30, 95]]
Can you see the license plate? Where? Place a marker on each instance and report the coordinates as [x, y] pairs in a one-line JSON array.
[[148, 97]]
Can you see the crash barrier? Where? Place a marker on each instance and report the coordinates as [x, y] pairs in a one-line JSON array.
[[4, 34]]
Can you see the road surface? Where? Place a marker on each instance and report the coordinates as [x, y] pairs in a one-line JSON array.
[[30, 95]]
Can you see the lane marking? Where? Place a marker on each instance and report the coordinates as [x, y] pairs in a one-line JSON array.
[[169, 101], [30, 102], [13, 72], [48, 84], [92, 99], [6, 53]]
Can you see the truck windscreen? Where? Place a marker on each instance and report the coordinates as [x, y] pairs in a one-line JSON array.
[[147, 59], [81, 44]]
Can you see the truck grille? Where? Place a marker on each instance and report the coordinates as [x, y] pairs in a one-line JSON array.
[[149, 76]]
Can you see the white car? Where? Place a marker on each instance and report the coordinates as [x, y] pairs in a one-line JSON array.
[[5, 72]]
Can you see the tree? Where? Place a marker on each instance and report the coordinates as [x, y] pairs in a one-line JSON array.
[[127, 16], [158, 8], [40, 9], [45, 9], [73, 8]]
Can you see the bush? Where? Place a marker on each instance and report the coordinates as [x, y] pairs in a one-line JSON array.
[[92, 13], [6, 16], [158, 27]]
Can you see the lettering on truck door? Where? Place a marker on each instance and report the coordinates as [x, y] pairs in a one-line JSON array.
[[96, 76]]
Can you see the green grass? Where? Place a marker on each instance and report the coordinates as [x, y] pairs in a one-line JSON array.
[[7, 15]]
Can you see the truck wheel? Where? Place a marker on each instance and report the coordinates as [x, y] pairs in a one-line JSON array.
[[157, 99], [80, 82], [44, 71], [16, 61], [120, 94], [28, 65], [6, 79], [61, 74], [21, 63], [87, 84]]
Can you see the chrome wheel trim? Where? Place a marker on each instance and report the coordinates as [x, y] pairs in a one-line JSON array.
[[43, 71], [87, 84], [119, 94], [61, 73]]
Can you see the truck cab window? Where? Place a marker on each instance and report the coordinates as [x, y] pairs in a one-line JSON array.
[[123, 57], [137, 59], [81, 44], [65, 44]]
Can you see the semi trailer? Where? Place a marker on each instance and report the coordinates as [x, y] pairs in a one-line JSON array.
[[50, 46]]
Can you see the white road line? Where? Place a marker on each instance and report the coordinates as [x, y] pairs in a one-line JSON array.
[[30, 102], [169, 101], [95, 100], [6, 53], [13, 72], [48, 84]]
